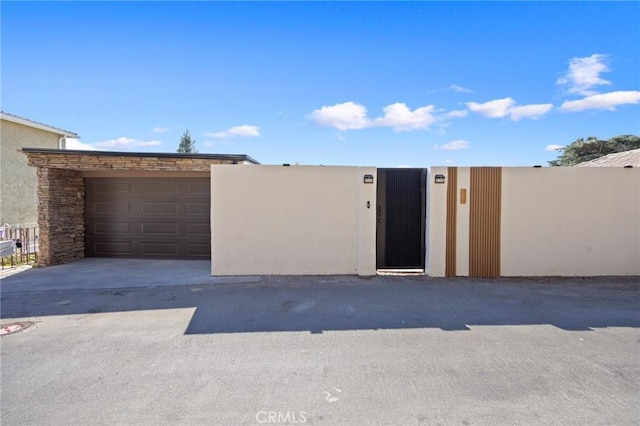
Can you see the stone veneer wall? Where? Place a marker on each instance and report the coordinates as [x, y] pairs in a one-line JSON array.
[[60, 216], [61, 194], [117, 162]]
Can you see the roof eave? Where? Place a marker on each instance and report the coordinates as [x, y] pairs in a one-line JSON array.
[[232, 157], [40, 126]]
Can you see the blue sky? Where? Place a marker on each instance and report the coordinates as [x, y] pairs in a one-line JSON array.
[[385, 83]]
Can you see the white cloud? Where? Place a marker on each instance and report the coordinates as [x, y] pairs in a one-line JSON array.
[[606, 101], [459, 89], [456, 145], [149, 143], [245, 131], [494, 109], [160, 129], [345, 116], [584, 74], [499, 108], [75, 144], [124, 143], [553, 147], [402, 119], [529, 111], [456, 113], [351, 115]]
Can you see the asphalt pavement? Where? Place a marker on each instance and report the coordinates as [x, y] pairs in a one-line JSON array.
[[151, 343]]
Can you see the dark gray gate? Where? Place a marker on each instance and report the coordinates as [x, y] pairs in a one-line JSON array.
[[401, 218]]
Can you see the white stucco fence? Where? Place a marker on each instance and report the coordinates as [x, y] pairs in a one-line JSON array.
[[297, 220], [555, 221], [321, 220], [570, 221]]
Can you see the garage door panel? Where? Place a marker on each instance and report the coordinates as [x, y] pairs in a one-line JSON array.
[[199, 187], [148, 218], [111, 228], [194, 208], [109, 186], [202, 249], [159, 208], [159, 228], [199, 229], [122, 248], [156, 187], [111, 208], [151, 248]]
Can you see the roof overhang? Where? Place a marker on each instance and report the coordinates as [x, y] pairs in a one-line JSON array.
[[239, 158], [36, 125]]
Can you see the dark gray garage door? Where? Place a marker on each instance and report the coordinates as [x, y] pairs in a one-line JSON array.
[[155, 218]]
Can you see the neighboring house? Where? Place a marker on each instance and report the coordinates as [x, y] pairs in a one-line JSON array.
[[18, 192], [619, 159]]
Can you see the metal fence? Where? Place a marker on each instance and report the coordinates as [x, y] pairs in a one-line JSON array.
[[18, 245]]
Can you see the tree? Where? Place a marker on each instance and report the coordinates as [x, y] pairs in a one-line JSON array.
[[585, 150], [187, 145]]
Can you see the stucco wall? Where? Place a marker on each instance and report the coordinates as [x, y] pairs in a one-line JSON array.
[[18, 197], [436, 223], [462, 222], [555, 221], [292, 220], [570, 221]]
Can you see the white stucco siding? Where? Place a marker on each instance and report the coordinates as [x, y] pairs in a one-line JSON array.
[[436, 223], [570, 221], [462, 222], [292, 220], [18, 201], [367, 222]]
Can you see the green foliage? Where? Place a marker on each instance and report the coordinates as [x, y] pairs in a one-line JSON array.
[[187, 145], [586, 150]]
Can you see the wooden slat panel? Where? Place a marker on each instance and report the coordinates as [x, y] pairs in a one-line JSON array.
[[484, 227], [452, 214]]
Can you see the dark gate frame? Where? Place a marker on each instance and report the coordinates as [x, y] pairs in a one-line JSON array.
[[382, 213]]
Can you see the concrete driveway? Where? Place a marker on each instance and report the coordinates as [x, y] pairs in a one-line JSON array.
[[147, 342]]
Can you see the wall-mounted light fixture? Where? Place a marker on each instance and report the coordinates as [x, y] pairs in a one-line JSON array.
[[439, 179], [368, 178]]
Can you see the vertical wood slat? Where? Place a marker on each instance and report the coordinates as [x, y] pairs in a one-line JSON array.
[[485, 221], [452, 205]]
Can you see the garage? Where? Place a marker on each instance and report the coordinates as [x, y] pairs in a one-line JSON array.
[[150, 218], [153, 205]]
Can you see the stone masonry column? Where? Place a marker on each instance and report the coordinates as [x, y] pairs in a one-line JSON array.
[[60, 216]]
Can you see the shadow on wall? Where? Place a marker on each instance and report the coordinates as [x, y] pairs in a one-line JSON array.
[[318, 304]]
